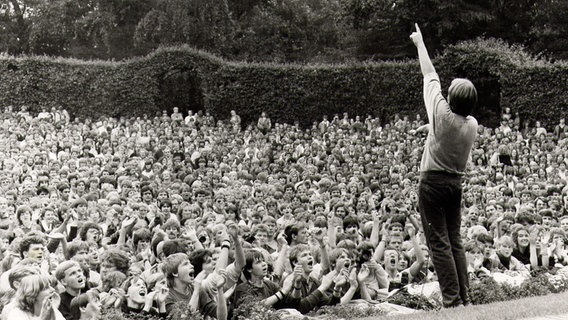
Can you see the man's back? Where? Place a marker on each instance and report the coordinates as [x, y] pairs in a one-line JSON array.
[[450, 137]]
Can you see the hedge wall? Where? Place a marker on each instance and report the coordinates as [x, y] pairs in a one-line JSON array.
[[92, 89], [97, 88], [537, 93], [506, 76], [290, 93]]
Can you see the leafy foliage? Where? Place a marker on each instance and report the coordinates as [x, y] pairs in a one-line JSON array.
[[348, 311], [182, 310], [253, 310], [405, 299], [275, 31], [542, 283]]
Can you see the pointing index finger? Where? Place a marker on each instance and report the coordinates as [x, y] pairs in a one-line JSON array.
[[417, 28]]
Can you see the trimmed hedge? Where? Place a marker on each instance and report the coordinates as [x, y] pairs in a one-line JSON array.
[[290, 93], [506, 76], [85, 89]]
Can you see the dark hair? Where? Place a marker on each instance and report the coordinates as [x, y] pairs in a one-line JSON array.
[[26, 243], [364, 252], [118, 258], [251, 256], [142, 234], [198, 257], [86, 227], [462, 96], [349, 221], [81, 301], [76, 246], [292, 230], [174, 246]]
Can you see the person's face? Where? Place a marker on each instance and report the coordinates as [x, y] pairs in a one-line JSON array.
[[391, 259], [523, 238], [93, 234], [271, 227], [93, 309], [94, 258], [564, 225], [220, 234], [302, 236], [546, 220], [25, 217], [172, 232], [396, 243], [558, 238], [162, 195], [261, 237], [475, 254], [147, 196], [36, 251], [259, 268], [3, 207], [525, 197], [163, 283], [94, 215], [402, 263], [210, 263], [306, 260], [396, 230], [340, 212], [351, 229], [106, 267], [185, 272], [45, 294], [81, 209], [74, 278], [287, 210], [137, 291], [166, 208], [505, 249], [230, 216], [4, 243]]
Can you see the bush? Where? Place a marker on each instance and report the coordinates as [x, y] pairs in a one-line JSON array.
[[486, 291], [254, 310], [348, 311]]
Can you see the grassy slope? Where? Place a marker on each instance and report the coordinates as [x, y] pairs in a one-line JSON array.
[[553, 304]]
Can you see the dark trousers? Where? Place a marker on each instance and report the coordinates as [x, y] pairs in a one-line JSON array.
[[439, 200]]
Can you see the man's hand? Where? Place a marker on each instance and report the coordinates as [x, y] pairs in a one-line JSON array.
[[416, 36]]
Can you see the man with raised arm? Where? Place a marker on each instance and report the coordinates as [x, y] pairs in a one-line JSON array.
[[451, 134]]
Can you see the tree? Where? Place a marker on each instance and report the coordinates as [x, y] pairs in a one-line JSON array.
[[16, 18], [204, 24], [549, 30]]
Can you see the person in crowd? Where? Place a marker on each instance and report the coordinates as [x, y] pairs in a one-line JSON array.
[[36, 299], [324, 210]]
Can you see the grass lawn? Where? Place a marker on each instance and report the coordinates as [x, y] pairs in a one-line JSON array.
[[553, 304]]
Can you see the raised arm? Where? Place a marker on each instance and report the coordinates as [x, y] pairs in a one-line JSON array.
[[425, 63]]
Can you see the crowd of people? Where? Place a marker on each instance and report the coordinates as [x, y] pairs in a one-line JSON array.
[[141, 214]]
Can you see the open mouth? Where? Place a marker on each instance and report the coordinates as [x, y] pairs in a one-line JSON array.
[[142, 293], [393, 261]]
